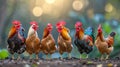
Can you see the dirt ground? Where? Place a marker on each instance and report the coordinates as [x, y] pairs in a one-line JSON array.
[[73, 62]]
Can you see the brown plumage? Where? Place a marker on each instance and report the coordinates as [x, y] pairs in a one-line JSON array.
[[104, 45], [33, 41], [64, 39], [12, 32], [48, 43]]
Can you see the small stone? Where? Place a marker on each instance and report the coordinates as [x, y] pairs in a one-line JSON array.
[[115, 65], [110, 65], [26, 65], [89, 62], [38, 63], [99, 65], [117, 58]]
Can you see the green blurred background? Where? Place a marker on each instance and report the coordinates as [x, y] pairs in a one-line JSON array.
[[89, 12]]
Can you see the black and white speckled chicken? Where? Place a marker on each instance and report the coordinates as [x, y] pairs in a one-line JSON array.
[[16, 39], [84, 39]]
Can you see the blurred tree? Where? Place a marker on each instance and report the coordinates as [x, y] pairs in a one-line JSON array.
[[5, 19], [2, 17]]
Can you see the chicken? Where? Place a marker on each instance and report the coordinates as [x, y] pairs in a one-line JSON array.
[[104, 45], [64, 39], [84, 40], [32, 40], [16, 39], [48, 43]]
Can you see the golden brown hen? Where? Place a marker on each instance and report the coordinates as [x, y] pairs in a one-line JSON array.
[[33, 41], [48, 43], [104, 45], [64, 39]]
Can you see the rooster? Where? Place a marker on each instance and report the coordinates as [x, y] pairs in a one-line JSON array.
[[84, 40], [64, 39], [48, 43], [104, 45], [16, 39], [32, 40]]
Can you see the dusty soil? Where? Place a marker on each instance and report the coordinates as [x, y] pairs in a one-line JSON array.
[[73, 62]]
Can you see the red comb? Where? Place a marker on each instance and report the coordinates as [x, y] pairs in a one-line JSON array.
[[49, 24], [61, 23], [78, 24], [99, 27], [16, 22], [34, 22]]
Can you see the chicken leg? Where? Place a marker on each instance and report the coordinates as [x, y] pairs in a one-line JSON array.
[[50, 56], [80, 57], [87, 56], [18, 57], [31, 56], [107, 57], [37, 56], [102, 57], [47, 56], [69, 55], [61, 57], [13, 57]]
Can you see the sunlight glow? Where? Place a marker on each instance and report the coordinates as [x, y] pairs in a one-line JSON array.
[[37, 11], [109, 8], [77, 5], [50, 1]]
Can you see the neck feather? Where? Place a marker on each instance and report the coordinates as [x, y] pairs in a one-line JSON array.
[[80, 34], [32, 31], [100, 35], [45, 33]]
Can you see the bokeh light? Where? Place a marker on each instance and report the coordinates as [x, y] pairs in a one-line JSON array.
[[37, 11], [109, 7], [77, 5], [50, 1], [47, 9]]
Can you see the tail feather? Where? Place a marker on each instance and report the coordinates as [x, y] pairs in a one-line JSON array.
[[90, 31], [112, 34]]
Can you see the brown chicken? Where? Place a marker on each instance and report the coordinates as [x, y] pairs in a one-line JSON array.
[[32, 40], [48, 43], [104, 45], [64, 39]]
